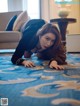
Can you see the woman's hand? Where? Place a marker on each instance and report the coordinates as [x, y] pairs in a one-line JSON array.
[[54, 64], [28, 63]]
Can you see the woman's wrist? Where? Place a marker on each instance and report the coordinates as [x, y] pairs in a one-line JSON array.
[[23, 63], [52, 60], [19, 61]]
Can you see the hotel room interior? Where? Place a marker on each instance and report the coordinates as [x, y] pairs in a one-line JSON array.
[[39, 86]]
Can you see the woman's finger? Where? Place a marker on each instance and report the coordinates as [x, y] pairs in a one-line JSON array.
[[32, 64], [29, 65], [60, 67], [51, 66], [57, 67]]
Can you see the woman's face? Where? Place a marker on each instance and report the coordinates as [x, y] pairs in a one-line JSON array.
[[47, 40]]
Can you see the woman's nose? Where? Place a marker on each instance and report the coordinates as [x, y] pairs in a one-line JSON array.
[[49, 43]]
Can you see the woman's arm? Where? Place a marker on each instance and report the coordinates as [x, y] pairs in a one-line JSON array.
[[17, 56], [27, 54], [60, 55], [59, 58]]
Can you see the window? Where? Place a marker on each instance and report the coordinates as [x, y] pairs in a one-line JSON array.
[[3, 6], [32, 7]]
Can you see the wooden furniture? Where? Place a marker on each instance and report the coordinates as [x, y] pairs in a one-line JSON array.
[[63, 23]]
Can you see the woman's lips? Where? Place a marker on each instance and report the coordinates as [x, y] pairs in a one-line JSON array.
[[45, 47]]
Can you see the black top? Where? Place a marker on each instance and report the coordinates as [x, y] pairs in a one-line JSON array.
[[29, 41]]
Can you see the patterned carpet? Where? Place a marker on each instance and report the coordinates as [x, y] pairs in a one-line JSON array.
[[40, 86]]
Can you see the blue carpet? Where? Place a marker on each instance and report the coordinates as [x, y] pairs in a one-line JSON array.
[[40, 86]]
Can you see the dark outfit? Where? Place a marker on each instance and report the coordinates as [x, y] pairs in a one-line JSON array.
[[30, 40]]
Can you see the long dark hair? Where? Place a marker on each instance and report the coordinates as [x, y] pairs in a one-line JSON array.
[[50, 28]]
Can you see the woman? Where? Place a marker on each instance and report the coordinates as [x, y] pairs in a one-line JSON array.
[[45, 40]]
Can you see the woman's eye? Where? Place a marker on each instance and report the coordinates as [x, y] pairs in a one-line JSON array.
[[47, 39]]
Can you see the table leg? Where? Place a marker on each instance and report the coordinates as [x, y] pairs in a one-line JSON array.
[[63, 27]]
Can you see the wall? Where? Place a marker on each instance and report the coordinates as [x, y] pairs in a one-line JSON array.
[[73, 43], [75, 13], [50, 11], [73, 35]]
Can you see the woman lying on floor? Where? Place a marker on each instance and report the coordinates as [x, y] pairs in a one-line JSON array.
[[43, 39]]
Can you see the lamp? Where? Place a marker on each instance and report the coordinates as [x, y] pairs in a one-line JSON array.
[[64, 7]]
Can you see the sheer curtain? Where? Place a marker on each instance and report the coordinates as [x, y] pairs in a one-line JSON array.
[[32, 6], [3, 6]]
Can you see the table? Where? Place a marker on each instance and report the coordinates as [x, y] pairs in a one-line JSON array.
[[63, 23]]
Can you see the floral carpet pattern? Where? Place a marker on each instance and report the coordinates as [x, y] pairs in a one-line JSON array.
[[40, 86]]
